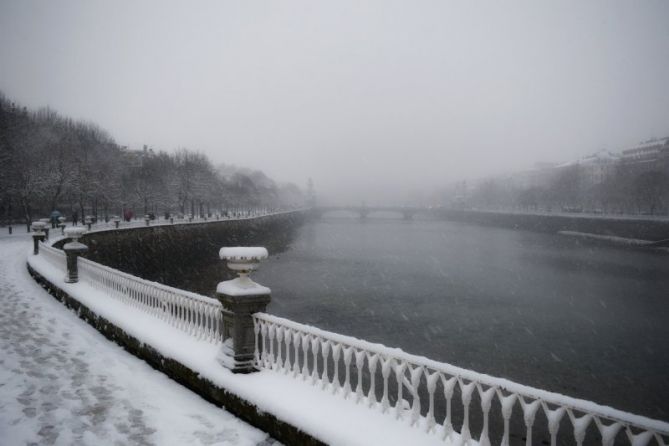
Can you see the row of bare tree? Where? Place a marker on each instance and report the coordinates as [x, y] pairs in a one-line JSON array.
[[51, 163], [626, 189]]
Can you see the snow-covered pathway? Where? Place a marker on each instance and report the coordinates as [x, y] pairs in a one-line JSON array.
[[61, 382]]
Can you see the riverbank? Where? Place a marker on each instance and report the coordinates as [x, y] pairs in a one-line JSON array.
[[637, 227]]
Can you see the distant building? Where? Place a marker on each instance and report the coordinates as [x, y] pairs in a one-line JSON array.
[[648, 151], [652, 155]]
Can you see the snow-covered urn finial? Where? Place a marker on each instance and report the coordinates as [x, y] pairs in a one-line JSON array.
[[243, 260], [240, 299], [75, 232], [38, 226]]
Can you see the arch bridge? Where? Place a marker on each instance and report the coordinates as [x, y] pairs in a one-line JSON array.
[[364, 212]]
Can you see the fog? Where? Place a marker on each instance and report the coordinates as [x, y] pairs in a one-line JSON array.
[[376, 101]]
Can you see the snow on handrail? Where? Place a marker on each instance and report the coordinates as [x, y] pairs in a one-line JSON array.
[[54, 256], [197, 315], [322, 358]]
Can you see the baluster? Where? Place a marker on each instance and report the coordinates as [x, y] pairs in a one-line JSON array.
[[660, 439], [529, 413], [466, 396], [279, 341], [431, 379], [256, 333], [415, 376], [507, 403], [348, 351], [211, 315], [263, 335], [608, 432], [325, 351], [297, 339], [449, 386], [580, 426], [196, 320], [386, 364], [289, 338], [315, 342], [640, 439], [306, 340], [359, 364], [399, 370], [553, 417], [372, 361], [336, 384], [486, 402], [271, 332]]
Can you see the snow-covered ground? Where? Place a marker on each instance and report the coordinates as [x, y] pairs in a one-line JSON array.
[[63, 383]]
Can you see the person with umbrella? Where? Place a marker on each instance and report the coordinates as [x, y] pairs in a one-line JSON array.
[[55, 215]]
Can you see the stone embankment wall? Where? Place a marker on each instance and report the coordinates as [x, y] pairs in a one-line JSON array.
[[172, 254], [634, 228]]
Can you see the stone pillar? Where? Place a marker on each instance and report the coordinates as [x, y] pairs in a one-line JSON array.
[[38, 236], [241, 298], [73, 250]]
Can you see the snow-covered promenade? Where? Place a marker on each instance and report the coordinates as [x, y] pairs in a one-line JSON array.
[[63, 383]]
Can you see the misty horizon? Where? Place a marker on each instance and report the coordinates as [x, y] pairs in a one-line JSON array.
[[375, 102]]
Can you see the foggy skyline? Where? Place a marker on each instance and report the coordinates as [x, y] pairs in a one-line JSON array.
[[372, 100]]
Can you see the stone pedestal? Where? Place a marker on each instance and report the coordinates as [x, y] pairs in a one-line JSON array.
[[239, 347], [37, 237], [38, 228], [241, 298], [73, 250]]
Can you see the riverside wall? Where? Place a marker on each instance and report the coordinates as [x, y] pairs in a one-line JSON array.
[[627, 227], [168, 253]]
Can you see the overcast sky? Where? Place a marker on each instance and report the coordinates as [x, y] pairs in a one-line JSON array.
[[373, 99]]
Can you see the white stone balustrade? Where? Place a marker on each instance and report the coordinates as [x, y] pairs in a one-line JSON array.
[[350, 368], [197, 315]]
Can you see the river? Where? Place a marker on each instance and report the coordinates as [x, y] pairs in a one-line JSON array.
[[584, 319]]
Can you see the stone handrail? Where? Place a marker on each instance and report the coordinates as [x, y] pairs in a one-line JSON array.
[[54, 256], [192, 313], [350, 367]]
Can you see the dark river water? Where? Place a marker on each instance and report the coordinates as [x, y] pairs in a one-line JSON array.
[[574, 317]]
